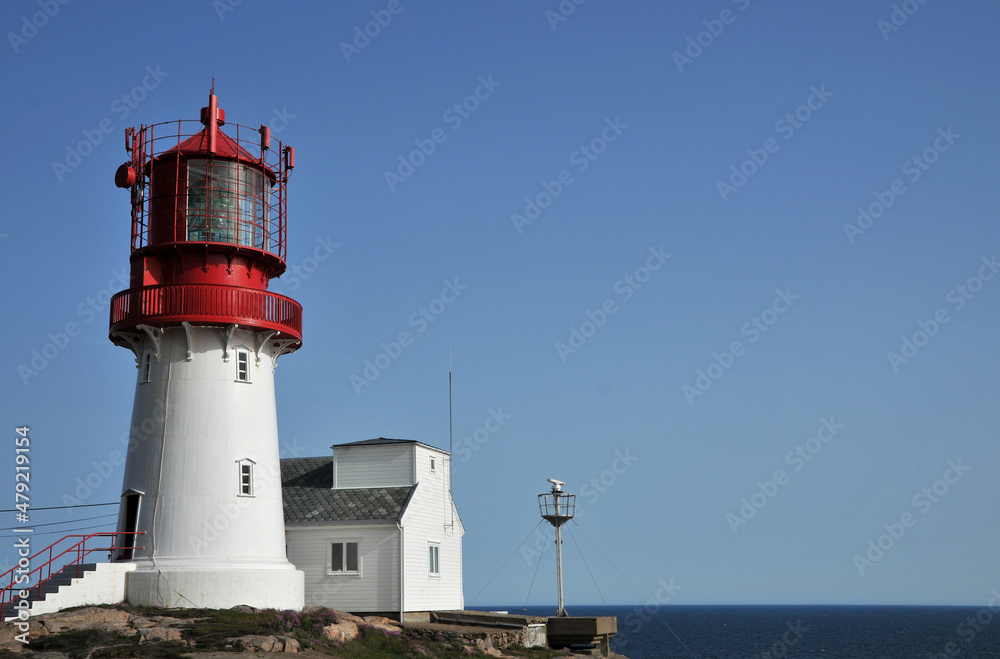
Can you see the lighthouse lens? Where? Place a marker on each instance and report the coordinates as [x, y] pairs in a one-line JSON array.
[[254, 212], [211, 207], [228, 202]]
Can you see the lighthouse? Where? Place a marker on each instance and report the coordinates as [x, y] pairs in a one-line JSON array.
[[202, 483]]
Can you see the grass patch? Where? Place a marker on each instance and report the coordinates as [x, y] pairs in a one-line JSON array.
[[214, 631], [101, 644]]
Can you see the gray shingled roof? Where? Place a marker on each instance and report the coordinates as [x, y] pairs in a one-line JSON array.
[[308, 497]]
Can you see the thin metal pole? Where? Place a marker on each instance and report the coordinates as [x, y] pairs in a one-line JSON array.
[[561, 611], [451, 441]]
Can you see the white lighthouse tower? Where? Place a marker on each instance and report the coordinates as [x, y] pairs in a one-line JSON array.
[[202, 478]]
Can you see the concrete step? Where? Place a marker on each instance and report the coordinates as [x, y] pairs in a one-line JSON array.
[[64, 578]]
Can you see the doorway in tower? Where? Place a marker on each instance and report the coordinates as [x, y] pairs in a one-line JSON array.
[[130, 522]]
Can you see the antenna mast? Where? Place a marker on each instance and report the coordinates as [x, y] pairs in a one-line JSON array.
[[450, 425], [451, 459]]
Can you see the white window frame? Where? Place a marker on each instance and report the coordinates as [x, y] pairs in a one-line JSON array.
[[343, 543], [243, 365], [434, 560], [248, 464], [433, 465]]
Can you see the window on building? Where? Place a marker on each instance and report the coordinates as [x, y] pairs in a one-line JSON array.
[[344, 557], [242, 365], [435, 563], [146, 367], [433, 464], [246, 478]]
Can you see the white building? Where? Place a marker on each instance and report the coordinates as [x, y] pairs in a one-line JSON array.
[[374, 527]]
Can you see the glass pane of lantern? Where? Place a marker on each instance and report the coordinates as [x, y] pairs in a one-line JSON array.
[[197, 201], [211, 207], [222, 198], [253, 215]]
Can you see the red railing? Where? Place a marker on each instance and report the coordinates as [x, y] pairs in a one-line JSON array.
[[150, 141], [15, 580], [206, 304]]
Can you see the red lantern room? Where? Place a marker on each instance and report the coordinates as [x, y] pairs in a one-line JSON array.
[[208, 227]]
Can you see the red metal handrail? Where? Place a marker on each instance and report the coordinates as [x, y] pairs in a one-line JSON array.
[[206, 303], [15, 581], [150, 141]]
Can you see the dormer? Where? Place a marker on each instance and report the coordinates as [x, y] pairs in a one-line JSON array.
[[386, 462]]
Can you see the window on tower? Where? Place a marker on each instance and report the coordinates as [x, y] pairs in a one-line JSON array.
[[146, 367], [228, 203], [246, 477], [242, 365]]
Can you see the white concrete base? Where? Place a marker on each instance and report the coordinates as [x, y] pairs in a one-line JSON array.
[[217, 588], [105, 585]]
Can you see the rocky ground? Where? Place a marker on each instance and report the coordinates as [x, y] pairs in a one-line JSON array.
[[123, 631]]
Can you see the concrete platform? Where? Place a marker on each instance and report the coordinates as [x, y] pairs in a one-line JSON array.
[[501, 628], [572, 632]]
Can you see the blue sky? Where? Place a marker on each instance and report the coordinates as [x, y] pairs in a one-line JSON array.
[[672, 181]]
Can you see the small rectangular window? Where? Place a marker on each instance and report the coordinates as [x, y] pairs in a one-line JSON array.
[[246, 478], [242, 366], [344, 557], [145, 369], [435, 563], [432, 464]]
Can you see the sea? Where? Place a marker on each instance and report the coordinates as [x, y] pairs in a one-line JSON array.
[[796, 632]]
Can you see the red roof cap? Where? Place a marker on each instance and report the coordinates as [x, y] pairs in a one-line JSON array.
[[225, 147]]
